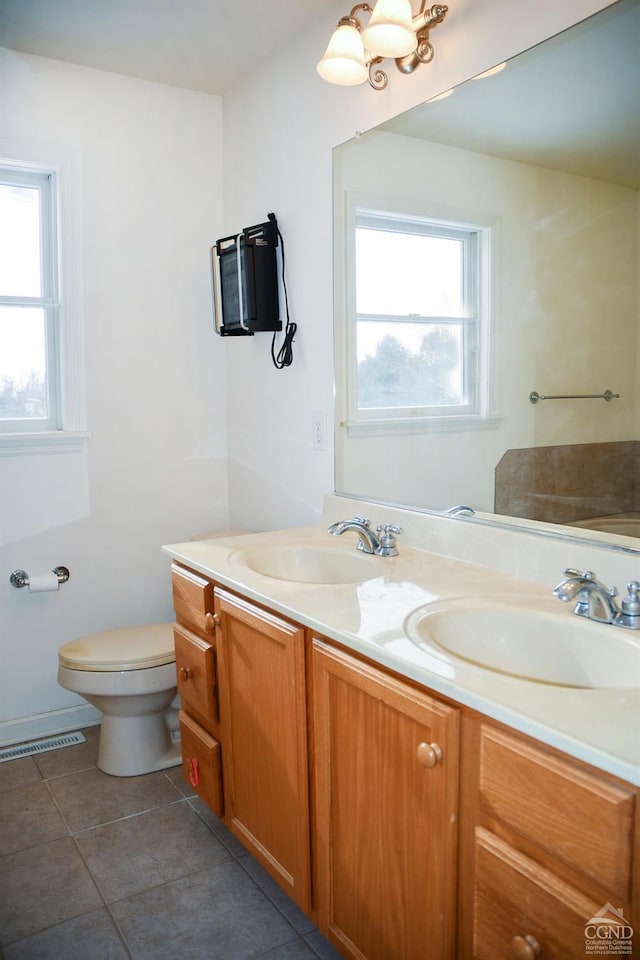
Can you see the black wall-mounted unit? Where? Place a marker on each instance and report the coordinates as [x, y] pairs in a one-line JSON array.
[[245, 281]]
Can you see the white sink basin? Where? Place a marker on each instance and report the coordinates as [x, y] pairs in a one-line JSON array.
[[309, 564], [510, 636]]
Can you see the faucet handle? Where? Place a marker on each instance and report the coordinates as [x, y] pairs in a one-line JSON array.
[[387, 533], [388, 528], [631, 603], [365, 521]]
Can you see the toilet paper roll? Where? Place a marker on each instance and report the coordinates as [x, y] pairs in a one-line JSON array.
[[43, 583]]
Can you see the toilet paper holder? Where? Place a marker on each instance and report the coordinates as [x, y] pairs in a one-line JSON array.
[[20, 578]]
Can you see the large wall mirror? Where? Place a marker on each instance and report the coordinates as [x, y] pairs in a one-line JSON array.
[[487, 292]]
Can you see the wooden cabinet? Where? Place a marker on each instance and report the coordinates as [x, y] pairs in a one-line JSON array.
[[261, 662], [386, 778], [422, 829], [546, 846], [194, 640]]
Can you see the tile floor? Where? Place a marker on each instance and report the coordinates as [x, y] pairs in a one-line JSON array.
[[94, 867]]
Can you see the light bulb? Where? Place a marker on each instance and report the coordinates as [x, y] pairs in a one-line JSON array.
[[344, 59], [389, 32]]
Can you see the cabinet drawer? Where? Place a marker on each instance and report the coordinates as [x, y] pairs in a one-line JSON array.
[[201, 766], [193, 600], [577, 816], [196, 674], [516, 898]]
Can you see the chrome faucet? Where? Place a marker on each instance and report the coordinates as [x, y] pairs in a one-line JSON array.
[[368, 542], [596, 602], [460, 511]]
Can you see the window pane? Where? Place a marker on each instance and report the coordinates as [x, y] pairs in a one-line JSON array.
[[23, 392], [20, 272], [406, 273], [409, 365]]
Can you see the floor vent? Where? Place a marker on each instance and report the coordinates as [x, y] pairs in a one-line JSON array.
[[40, 746]]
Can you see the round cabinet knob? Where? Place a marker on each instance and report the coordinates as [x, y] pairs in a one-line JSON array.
[[525, 948], [211, 621], [429, 754], [186, 673]]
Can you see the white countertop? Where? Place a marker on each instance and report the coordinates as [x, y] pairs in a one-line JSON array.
[[598, 726]]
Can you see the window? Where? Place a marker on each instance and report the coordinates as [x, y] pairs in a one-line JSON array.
[[41, 368], [418, 340], [29, 306]]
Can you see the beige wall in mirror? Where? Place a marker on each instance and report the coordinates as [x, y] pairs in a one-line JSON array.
[[545, 155]]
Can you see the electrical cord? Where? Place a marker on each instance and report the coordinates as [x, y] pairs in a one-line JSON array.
[[284, 357]]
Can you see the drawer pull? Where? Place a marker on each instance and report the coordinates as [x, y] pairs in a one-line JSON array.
[[194, 772], [211, 621], [186, 673], [525, 948], [429, 754]]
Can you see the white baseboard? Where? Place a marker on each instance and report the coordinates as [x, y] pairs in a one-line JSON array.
[[47, 724]]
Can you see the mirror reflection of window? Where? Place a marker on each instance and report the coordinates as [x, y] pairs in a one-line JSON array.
[[419, 322]]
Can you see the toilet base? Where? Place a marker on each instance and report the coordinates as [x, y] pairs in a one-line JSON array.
[[131, 746]]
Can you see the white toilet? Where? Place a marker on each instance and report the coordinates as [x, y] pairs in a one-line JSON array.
[[130, 676]]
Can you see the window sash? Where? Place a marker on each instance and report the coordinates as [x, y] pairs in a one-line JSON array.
[[49, 301], [468, 328], [469, 323]]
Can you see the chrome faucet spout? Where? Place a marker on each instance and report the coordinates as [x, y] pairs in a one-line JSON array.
[[593, 599], [367, 540]]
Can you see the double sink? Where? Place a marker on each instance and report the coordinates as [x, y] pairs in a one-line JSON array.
[[509, 635]]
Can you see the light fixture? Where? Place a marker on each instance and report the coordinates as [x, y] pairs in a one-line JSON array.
[[354, 52]]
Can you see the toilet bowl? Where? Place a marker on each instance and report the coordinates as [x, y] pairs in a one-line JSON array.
[[130, 676]]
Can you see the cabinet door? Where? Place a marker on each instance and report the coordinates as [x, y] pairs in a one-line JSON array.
[[386, 774], [261, 665]]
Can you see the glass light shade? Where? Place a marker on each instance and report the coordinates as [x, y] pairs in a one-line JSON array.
[[344, 61], [389, 32]]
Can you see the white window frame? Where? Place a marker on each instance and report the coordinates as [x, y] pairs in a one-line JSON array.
[[477, 243], [44, 181], [66, 428]]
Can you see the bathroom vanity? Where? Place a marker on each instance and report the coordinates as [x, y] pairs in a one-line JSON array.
[[410, 807]]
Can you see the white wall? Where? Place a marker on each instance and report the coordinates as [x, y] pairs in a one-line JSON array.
[[279, 131], [154, 470]]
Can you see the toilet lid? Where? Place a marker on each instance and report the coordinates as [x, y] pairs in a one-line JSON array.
[[130, 648]]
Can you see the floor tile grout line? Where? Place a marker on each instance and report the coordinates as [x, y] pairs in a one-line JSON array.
[[118, 929], [232, 853], [94, 880], [58, 808], [127, 816], [272, 899], [165, 883], [313, 949], [61, 776], [265, 953], [51, 926]]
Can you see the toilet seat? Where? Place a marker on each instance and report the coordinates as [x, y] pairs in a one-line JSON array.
[[129, 648]]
